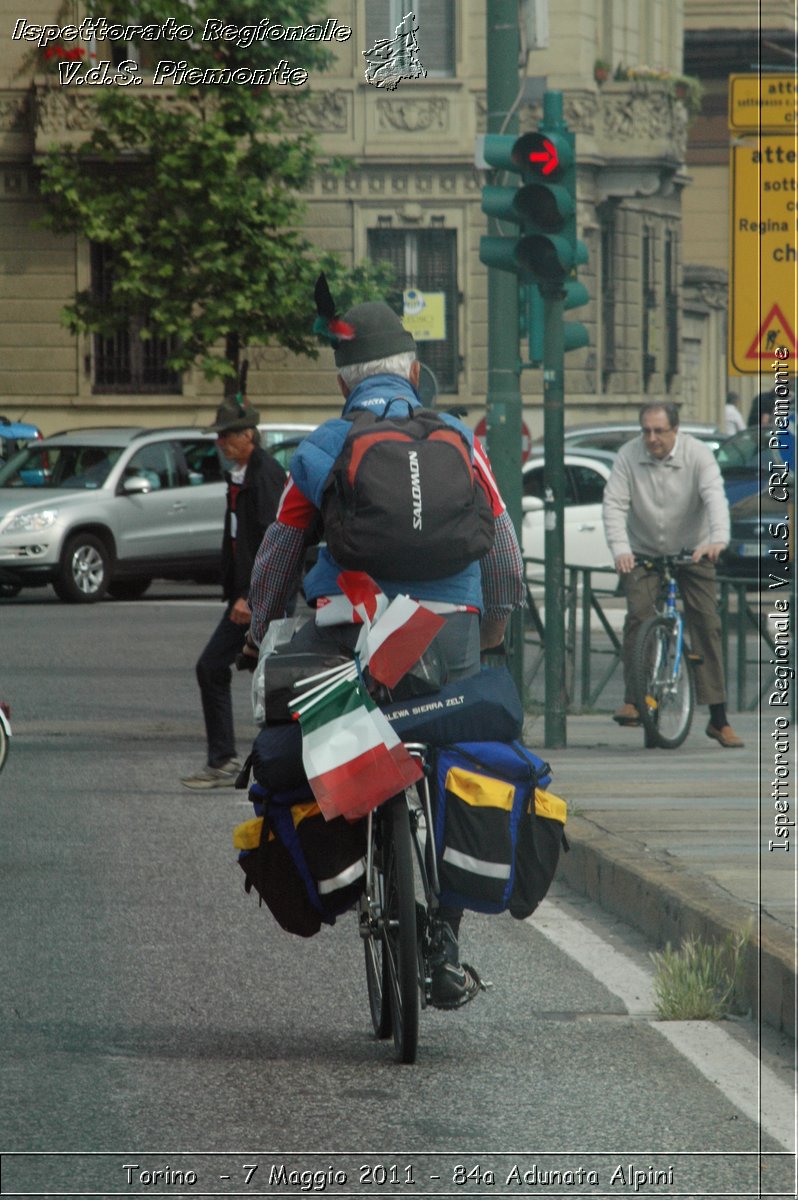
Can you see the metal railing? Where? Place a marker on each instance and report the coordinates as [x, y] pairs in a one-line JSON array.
[[593, 639]]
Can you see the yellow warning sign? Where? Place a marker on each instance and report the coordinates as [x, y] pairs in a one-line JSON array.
[[763, 280]]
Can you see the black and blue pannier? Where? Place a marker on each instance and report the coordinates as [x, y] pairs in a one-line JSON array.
[[484, 705], [306, 869], [498, 831]]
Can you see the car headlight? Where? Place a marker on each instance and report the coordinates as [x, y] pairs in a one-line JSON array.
[[32, 522]]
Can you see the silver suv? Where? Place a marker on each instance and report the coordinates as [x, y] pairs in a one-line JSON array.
[[107, 510]]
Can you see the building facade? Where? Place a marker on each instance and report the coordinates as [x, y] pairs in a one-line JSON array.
[[411, 195]]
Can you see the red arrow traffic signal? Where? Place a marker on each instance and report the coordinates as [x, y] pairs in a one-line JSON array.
[[546, 158]]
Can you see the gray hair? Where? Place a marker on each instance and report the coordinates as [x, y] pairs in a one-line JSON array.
[[670, 409], [396, 364]]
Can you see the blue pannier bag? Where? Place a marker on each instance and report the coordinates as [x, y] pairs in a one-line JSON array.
[[484, 705], [306, 869], [498, 831]]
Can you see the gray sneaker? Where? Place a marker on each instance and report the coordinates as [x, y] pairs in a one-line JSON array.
[[214, 777]]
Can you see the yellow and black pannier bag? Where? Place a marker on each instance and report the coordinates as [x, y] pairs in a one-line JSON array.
[[306, 869], [498, 831]]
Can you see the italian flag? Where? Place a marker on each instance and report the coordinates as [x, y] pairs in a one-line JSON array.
[[398, 639], [353, 759]]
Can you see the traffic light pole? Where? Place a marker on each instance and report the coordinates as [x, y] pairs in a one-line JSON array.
[[553, 512], [503, 416]]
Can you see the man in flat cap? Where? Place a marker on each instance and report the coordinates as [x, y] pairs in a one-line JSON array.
[[254, 485], [377, 366]]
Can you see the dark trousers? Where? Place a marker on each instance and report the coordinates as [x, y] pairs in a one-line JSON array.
[[699, 599], [214, 676]]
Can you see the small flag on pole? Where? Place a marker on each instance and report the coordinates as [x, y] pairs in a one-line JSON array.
[[353, 759], [363, 594], [398, 639]]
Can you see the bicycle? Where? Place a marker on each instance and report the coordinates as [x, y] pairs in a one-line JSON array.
[[5, 732], [662, 674], [397, 911]]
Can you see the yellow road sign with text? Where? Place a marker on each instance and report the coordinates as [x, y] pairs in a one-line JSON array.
[[766, 102], [763, 280]]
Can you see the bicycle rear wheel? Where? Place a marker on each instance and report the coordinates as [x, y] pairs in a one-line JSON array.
[[664, 692], [399, 931]]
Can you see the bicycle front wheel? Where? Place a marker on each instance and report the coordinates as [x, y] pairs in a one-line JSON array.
[[664, 691], [400, 941]]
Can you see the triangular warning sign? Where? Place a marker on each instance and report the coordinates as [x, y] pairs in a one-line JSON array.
[[774, 331]]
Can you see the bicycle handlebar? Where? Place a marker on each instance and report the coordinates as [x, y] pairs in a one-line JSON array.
[[659, 562]]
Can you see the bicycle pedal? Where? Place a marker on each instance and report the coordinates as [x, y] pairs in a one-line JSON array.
[[482, 984]]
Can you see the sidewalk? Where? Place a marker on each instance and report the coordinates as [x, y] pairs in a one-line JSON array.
[[676, 841]]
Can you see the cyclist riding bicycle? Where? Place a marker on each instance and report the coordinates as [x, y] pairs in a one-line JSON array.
[[377, 367], [664, 493]]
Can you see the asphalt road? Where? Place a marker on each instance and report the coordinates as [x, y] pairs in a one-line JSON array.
[[153, 1018]]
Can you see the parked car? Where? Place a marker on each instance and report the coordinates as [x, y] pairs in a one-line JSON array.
[[744, 459], [14, 435], [610, 437], [585, 543], [284, 451], [93, 511], [271, 434], [762, 534]]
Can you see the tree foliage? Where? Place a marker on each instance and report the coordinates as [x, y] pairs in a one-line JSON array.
[[194, 189]]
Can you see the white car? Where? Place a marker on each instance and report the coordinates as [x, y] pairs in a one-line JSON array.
[[585, 543]]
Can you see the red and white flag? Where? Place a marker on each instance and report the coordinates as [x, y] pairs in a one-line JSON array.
[[365, 596], [398, 639]]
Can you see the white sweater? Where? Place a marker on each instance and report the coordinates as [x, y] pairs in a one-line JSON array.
[[658, 507]]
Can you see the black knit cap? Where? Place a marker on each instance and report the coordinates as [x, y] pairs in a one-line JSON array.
[[379, 333]]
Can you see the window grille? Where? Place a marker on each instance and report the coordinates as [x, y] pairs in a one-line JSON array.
[[426, 259], [123, 361]]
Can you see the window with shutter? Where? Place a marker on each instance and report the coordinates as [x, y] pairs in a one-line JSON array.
[[436, 30], [425, 259], [123, 361]]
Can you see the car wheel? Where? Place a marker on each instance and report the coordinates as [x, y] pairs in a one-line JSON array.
[[129, 589], [9, 590], [84, 573]]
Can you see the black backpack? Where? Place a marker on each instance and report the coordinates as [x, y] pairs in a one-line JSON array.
[[402, 500]]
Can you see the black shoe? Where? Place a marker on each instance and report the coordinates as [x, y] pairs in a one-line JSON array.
[[452, 984]]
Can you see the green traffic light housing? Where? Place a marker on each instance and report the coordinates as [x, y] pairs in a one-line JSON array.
[[543, 250]]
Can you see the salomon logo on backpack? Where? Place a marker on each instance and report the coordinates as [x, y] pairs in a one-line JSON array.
[[402, 500]]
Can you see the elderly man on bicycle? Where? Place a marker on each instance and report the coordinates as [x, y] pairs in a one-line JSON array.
[[665, 494], [377, 366]]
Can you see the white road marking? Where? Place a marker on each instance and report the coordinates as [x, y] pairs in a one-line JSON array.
[[746, 1082], [623, 977]]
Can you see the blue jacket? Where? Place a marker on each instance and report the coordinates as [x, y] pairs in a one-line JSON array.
[[310, 469]]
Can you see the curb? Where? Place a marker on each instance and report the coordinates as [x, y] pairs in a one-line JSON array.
[[665, 903]]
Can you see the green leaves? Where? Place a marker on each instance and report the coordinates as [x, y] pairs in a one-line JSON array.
[[195, 192]]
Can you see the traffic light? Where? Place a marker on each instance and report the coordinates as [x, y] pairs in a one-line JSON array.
[[545, 250], [532, 314], [544, 206]]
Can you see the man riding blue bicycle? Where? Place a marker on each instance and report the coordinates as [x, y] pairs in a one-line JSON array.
[[378, 374], [664, 494]]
